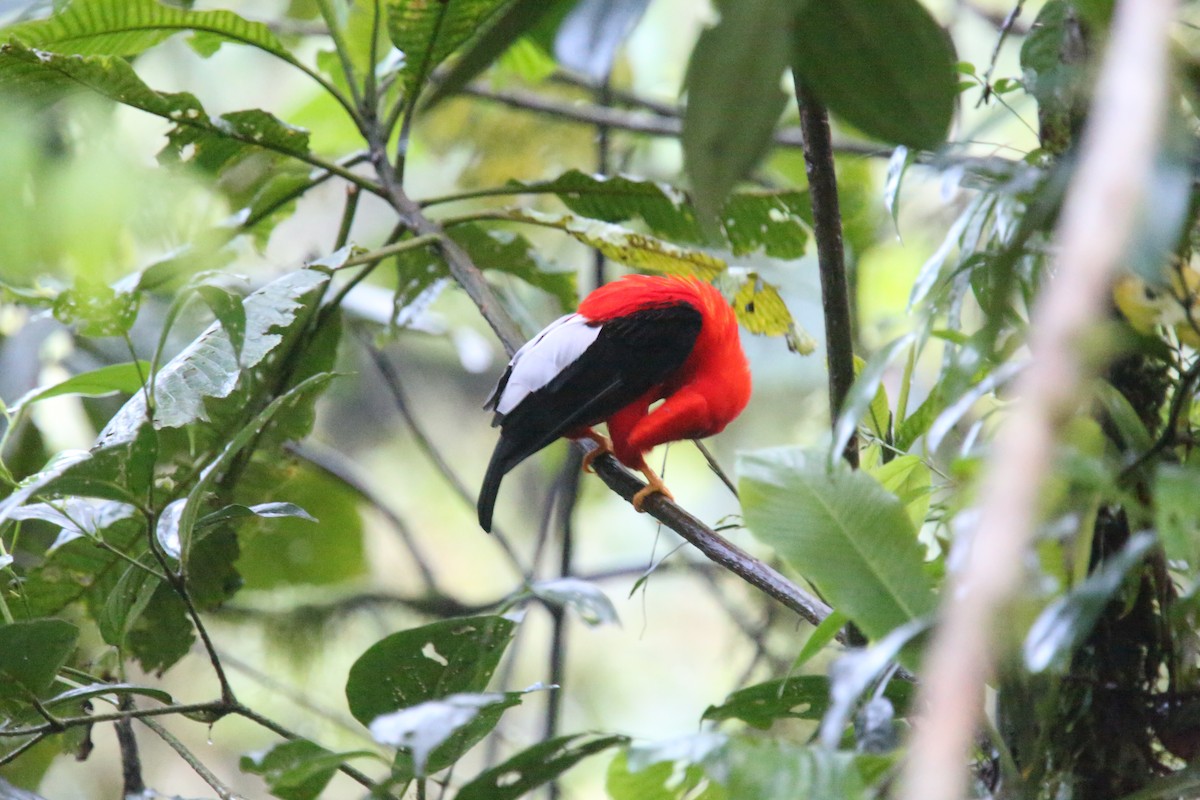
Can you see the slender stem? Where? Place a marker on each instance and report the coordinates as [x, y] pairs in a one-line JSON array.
[[223, 791], [394, 249], [13, 755], [370, 101], [216, 709], [339, 45], [567, 497], [348, 211], [827, 228]]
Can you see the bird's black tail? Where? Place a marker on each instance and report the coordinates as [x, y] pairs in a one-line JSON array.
[[498, 467]]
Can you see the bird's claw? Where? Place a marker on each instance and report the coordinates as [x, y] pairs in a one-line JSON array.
[[603, 445], [654, 485]]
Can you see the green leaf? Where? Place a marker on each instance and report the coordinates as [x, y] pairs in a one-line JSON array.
[[434, 734], [780, 770], [1056, 72], [128, 600], [1067, 621], [1175, 513], [96, 309], [910, 480], [588, 600], [426, 663], [535, 766], [100, 382], [508, 22], [734, 98], [863, 398], [798, 697], [247, 435], [78, 695], [32, 652], [624, 246], [292, 550], [884, 66], [75, 516], [209, 369], [511, 253], [822, 635], [43, 78], [657, 782], [298, 769], [128, 27], [840, 529], [429, 32]]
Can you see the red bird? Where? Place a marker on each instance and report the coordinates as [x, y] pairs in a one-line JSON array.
[[633, 342]]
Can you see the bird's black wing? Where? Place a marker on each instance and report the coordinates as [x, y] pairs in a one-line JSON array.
[[631, 354]]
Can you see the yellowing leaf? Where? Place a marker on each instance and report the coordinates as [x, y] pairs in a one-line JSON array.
[[761, 310], [627, 247]]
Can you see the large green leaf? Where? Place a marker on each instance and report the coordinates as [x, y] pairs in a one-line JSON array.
[[798, 697], [128, 27], [32, 652], [780, 770], [775, 223], [841, 530], [535, 766], [734, 97], [98, 382], [884, 66]]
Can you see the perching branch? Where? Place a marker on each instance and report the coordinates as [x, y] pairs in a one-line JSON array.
[[223, 791], [1099, 214], [708, 542], [831, 256]]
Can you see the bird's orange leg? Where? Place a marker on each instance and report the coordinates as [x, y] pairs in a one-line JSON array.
[[654, 485], [603, 446]]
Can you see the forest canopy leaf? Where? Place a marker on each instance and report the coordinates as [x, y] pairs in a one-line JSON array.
[[429, 32], [125, 378], [884, 66]]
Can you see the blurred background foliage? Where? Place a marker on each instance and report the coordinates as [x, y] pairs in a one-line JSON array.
[[132, 239]]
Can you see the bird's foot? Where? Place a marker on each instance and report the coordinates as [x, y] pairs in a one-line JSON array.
[[603, 446], [654, 485]]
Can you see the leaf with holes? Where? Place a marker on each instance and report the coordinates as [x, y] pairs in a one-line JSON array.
[[761, 310], [426, 663], [429, 32]]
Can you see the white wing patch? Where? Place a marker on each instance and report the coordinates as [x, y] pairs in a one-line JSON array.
[[543, 357]]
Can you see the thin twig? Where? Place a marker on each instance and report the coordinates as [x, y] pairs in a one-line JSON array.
[[131, 762], [223, 791], [1098, 218]]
